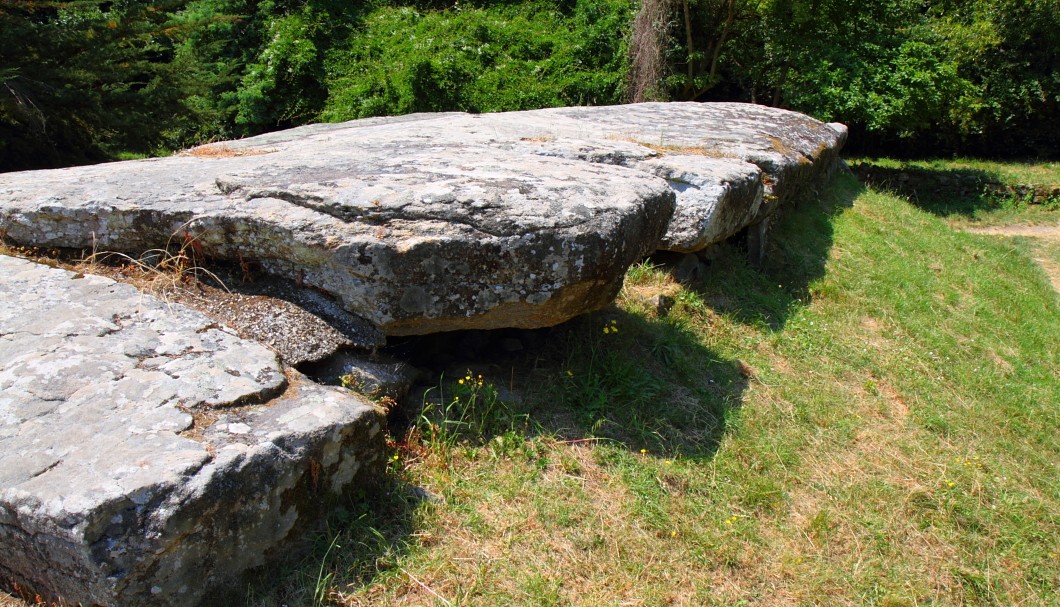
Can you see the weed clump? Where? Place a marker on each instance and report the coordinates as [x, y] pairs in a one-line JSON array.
[[466, 411]]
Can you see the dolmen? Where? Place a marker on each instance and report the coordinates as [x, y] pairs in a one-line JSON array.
[[149, 454]]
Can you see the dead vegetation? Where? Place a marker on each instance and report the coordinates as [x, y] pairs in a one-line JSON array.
[[222, 150]]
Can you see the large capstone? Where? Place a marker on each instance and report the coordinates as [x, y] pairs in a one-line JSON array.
[[438, 222]]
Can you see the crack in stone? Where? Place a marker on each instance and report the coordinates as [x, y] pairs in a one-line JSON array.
[[47, 469]]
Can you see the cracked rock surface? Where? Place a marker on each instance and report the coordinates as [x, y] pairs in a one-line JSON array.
[[438, 222], [148, 454]]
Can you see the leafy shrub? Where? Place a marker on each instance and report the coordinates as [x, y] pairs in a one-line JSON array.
[[480, 59]]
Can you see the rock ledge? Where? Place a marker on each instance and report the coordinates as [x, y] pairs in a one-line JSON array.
[[147, 454]]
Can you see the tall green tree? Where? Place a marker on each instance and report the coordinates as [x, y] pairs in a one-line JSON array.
[[931, 76], [266, 60], [1007, 51], [83, 80]]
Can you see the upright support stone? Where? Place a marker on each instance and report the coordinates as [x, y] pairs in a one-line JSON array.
[[756, 242]]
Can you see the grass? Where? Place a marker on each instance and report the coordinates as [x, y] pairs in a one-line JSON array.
[[872, 419], [967, 197]]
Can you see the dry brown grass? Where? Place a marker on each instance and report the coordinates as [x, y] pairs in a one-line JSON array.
[[222, 150], [544, 138], [22, 598], [687, 150]]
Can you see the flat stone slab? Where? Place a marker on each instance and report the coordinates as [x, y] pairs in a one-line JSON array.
[[730, 164], [438, 222], [147, 454]]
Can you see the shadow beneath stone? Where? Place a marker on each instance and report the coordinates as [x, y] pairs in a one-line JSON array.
[[645, 383], [797, 248], [365, 535], [237, 281]]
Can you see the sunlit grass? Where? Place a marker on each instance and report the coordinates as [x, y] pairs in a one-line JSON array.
[[973, 193]]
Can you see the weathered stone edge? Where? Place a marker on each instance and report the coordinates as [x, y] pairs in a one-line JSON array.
[[278, 471]]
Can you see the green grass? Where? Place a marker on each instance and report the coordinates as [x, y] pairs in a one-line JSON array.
[[872, 419], [975, 202], [1041, 173]]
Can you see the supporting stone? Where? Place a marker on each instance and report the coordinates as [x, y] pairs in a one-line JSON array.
[[756, 242]]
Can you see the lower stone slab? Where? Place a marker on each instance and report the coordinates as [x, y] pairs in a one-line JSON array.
[[149, 455]]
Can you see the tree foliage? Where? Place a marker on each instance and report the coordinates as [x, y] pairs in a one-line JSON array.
[[82, 80], [485, 58], [924, 75], [85, 80]]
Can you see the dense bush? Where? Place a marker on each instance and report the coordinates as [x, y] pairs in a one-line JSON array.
[[486, 58], [84, 80], [914, 76]]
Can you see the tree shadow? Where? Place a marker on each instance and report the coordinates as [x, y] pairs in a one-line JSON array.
[[942, 191], [799, 242]]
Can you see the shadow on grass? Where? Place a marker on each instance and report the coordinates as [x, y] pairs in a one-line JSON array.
[[942, 191], [646, 383], [361, 541], [630, 379], [799, 242]]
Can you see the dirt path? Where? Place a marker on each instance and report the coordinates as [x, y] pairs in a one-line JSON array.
[[1046, 232], [1049, 234]]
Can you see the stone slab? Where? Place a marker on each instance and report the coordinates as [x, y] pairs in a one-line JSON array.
[[439, 222], [148, 454], [729, 164]]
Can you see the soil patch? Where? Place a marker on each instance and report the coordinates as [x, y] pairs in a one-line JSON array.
[[1051, 234], [1046, 232]]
